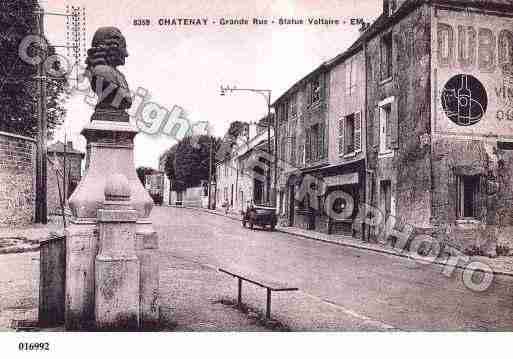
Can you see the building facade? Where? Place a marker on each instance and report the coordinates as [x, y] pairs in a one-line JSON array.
[[417, 126], [241, 177], [166, 184], [64, 172]]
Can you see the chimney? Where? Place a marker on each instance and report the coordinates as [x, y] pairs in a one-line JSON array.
[[385, 6]]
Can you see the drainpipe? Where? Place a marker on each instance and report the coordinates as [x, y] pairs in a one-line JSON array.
[[371, 173]]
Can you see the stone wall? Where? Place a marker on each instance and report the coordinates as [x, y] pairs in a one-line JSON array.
[[408, 168], [494, 167], [17, 179]]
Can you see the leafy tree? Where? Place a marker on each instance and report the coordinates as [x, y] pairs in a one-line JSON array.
[[18, 85], [169, 167], [191, 161], [142, 172], [234, 131]]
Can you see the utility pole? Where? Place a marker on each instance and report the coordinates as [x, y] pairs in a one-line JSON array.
[[65, 177], [268, 176], [267, 94], [210, 172], [41, 215], [41, 210]]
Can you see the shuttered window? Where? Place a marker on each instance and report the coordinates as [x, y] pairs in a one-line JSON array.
[[341, 123], [350, 134], [307, 145]]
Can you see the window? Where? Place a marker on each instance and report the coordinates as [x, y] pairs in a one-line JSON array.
[[468, 196], [386, 56], [282, 113], [283, 149], [385, 125], [315, 142], [349, 134], [293, 150], [293, 105], [315, 90], [308, 147], [351, 73]]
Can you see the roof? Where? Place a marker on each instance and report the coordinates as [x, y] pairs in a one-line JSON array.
[[384, 21], [58, 147]]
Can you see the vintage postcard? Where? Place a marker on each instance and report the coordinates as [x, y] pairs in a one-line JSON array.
[[336, 166]]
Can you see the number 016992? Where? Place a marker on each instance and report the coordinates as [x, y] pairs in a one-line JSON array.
[[23, 346]]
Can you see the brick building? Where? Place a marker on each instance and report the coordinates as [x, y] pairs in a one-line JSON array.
[[55, 173], [418, 117]]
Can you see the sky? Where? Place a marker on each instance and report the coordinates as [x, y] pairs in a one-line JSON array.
[[185, 66]]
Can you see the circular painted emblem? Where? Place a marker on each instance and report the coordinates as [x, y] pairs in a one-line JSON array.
[[464, 100]]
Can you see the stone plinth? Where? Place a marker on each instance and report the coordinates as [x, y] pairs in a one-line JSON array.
[[110, 150], [147, 249], [116, 266], [81, 250], [111, 287]]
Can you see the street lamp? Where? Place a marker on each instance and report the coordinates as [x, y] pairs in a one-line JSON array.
[[267, 95]]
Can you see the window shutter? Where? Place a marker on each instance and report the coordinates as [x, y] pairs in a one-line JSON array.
[[394, 124], [307, 146], [341, 135], [377, 127], [358, 132]]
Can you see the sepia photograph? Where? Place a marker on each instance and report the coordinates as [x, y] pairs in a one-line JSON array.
[[248, 178]]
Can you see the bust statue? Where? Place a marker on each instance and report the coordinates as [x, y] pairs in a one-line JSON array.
[[108, 51]]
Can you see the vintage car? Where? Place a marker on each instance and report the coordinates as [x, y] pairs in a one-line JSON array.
[[261, 216]]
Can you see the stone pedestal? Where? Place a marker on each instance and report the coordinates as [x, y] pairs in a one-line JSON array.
[[147, 249], [81, 249], [117, 282]]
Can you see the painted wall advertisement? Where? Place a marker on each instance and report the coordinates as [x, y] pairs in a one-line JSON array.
[[473, 73]]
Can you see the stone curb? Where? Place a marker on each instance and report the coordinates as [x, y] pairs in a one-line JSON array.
[[359, 246]]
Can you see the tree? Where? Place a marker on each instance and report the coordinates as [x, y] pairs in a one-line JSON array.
[[169, 166], [234, 131], [18, 86], [191, 161], [142, 172]]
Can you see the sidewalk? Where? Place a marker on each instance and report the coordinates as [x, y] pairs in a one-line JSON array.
[[27, 238], [499, 265]]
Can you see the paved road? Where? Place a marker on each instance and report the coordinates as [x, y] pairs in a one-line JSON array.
[[368, 285]]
